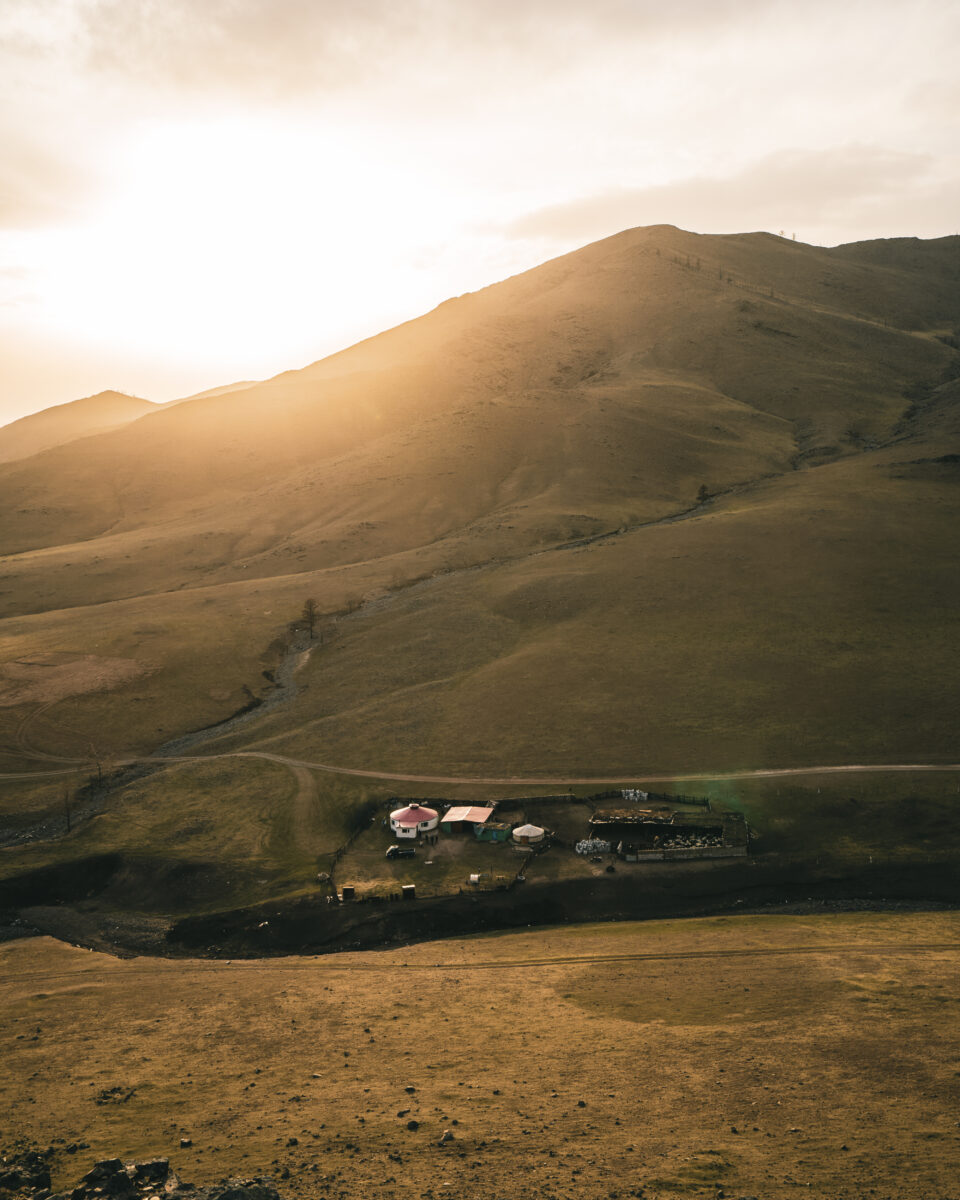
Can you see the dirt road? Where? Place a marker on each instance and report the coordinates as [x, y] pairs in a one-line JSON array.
[[327, 964], [513, 780], [589, 780]]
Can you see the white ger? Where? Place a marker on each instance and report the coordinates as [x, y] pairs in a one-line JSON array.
[[413, 820]]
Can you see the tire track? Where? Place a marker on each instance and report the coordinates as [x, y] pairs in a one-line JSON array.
[[571, 781], [510, 780], [845, 950]]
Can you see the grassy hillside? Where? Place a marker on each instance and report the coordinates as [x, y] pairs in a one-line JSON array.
[[752, 1055], [496, 508]]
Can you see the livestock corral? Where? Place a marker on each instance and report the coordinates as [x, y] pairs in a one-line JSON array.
[[661, 833], [442, 847]]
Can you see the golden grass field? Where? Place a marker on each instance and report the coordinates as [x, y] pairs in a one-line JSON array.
[[757, 1056], [808, 604]]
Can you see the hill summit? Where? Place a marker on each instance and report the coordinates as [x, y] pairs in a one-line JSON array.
[[672, 497], [67, 422]]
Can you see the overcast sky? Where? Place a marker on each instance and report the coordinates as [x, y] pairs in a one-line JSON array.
[[199, 191]]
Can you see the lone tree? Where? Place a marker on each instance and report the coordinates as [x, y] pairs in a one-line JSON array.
[[310, 615], [704, 494]]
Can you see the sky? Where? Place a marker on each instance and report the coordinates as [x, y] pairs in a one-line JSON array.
[[195, 192]]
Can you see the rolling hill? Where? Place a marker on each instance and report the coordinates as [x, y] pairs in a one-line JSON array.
[[67, 422], [498, 508]]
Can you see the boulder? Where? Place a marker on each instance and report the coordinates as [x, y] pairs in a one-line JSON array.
[[106, 1168], [153, 1170]]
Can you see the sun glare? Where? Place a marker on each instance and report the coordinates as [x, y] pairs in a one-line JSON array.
[[240, 229]]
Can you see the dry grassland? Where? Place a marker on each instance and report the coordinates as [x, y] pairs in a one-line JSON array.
[[593, 394], [764, 1056], [811, 613]]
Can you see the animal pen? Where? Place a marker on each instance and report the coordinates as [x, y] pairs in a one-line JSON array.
[[645, 835]]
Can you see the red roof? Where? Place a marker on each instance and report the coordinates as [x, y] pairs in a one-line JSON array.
[[474, 815], [414, 814]]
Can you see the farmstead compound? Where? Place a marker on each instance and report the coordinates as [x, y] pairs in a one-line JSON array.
[[428, 847]]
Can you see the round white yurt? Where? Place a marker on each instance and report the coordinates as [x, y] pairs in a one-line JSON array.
[[414, 819], [528, 835]]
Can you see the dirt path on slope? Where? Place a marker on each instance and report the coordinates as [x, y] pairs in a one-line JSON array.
[[515, 780], [845, 950], [304, 803], [589, 780]]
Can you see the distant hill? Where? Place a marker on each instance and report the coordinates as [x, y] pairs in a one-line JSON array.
[[67, 422], [225, 388]]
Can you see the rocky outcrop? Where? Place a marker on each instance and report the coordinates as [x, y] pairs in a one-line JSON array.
[[25, 1175]]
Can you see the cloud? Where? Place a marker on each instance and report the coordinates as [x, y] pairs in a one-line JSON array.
[[286, 47], [595, 80], [254, 46], [40, 184], [810, 192]]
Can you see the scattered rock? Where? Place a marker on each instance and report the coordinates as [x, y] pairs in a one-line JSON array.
[[412, 1125], [236, 1189], [409, 1089], [27, 1169], [115, 1095], [26, 1173], [446, 1136], [186, 1143], [581, 1104]]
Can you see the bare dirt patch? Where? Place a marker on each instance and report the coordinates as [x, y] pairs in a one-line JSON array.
[[43, 678]]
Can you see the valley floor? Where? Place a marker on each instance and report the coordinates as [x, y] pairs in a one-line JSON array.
[[757, 1054]]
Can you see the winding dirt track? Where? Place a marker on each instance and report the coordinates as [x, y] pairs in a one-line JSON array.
[[507, 780], [845, 949], [569, 781]]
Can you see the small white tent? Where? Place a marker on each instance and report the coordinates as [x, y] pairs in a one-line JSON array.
[[528, 835]]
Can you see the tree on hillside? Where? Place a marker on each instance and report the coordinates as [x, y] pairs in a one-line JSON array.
[[310, 615], [704, 494]]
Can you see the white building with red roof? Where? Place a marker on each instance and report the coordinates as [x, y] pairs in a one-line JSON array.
[[413, 820]]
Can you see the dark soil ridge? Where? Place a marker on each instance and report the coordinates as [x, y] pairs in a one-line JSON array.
[[309, 925], [62, 901]]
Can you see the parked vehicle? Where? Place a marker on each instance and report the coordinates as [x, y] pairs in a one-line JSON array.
[[401, 851]]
